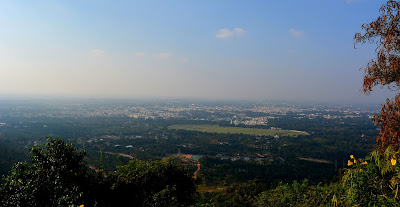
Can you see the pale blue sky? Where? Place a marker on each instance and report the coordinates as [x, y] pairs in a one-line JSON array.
[[225, 49]]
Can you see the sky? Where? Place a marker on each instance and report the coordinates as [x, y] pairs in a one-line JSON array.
[[298, 50]]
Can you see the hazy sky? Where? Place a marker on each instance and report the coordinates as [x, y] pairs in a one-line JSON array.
[[219, 49]]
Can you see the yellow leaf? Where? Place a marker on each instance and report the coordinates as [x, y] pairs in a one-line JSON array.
[[351, 157], [393, 161]]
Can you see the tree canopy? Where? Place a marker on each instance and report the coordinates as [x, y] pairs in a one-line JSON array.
[[384, 70], [59, 176]]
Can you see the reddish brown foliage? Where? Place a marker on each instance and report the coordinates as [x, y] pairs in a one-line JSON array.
[[389, 120], [385, 69]]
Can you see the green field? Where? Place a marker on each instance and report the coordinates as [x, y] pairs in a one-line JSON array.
[[236, 130]]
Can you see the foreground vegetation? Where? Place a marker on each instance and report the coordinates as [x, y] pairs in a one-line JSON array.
[[58, 176], [373, 181]]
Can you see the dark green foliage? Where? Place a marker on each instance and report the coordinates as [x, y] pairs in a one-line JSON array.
[[57, 176], [255, 194], [374, 181], [234, 196], [10, 154], [215, 171], [298, 194], [153, 183]]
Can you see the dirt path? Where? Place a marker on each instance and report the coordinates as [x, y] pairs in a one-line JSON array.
[[121, 154], [93, 168], [197, 171], [314, 160]]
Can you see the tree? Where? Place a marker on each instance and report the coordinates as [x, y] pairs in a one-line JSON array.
[[59, 176], [56, 176], [385, 70]]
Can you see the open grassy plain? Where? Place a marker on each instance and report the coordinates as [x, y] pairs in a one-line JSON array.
[[237, 130]]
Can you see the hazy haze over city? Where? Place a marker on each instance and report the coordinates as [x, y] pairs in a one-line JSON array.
[[285, 50]]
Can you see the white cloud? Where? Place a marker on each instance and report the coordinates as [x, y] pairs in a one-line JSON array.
[[164, 55], [296, 33], [97, 52], [239, 31], [140, 54], [226, 33]]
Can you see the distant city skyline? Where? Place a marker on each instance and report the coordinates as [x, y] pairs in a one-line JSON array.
[[222, 50]]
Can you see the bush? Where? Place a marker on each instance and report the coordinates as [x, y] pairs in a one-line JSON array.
[[372, 181]]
